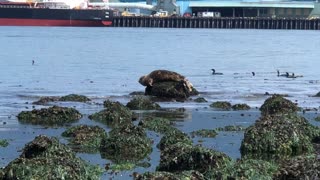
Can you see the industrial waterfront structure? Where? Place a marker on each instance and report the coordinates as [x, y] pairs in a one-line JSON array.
[[222, 8]]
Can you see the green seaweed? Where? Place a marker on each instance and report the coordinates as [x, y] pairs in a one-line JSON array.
[[238, 107], [205, 133], [114, 115], [4, 143], [84, 138], [142, 103], [50, 116], [224, 105], [127, 143], [160, 125], [75, 98], [46, 158]]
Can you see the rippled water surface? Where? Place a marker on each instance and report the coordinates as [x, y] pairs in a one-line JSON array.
[[107, 63]]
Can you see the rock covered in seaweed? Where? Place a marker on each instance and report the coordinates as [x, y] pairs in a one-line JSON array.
[[50, 116], [224, 105], [279, 135], [142, 103], [75, 98], [84, 138], [192, 175], [205, 133], [244, 169], [238, 107], [127, 143], [277, 104], [172, 137], [45, 99], [115, 114], [181, 156], [160, 125], [301, 167], [46, 158], [4, 143]]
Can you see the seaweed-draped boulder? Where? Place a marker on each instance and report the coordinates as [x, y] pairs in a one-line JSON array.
[[75, 98], [279, 136], [194, 175], [181, 156], [142, 103], [45, 99], [278, 104], [46, 158], [224, 105], [84, 138], [50, 116], [160, 125], [301, 167], [127, 143], [173, 136], [115, 114]]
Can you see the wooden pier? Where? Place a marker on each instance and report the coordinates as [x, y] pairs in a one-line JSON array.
[[220, 23]]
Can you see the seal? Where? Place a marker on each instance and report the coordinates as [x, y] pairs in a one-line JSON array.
[[162, 76]]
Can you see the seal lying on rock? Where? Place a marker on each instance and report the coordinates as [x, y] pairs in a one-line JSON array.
[[162, 76]]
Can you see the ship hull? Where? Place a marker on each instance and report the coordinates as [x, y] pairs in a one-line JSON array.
[[54, 17]]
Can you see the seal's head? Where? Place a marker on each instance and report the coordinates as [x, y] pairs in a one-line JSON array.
[[146, 80]]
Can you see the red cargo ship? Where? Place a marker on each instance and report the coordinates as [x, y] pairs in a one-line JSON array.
[[52, 14]]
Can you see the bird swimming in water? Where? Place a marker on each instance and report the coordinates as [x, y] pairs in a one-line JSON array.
[[216, 73], [253, 73], [286, 74], [32, 62]]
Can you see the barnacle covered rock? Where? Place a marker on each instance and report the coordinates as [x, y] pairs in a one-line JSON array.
[[172, 137], [75, 97], [84, 138], [238, 107], [141, 103], [46, 158], [182, 156], [115, 114], [50, 116], [224, 105], [127, 143], [277, 104], [283, 134]]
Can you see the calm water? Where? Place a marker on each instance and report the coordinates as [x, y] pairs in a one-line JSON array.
[[107, 63]]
